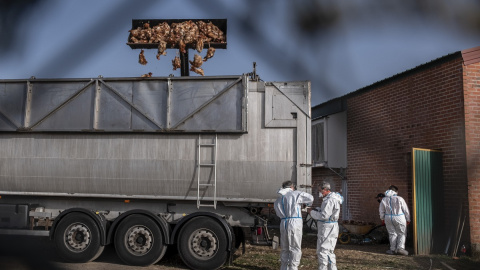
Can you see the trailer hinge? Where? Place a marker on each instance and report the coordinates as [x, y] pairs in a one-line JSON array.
[[305, 165]]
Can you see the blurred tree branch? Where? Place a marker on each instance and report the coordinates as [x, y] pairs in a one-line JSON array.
[[12, 13]]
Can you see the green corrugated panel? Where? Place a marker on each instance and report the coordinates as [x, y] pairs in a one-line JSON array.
[[428, 197]]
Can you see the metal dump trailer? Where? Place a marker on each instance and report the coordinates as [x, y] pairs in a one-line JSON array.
[[149, 163]]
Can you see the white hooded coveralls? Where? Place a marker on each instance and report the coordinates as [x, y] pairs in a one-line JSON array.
[[327, 216], [393, 209], [288, 209]]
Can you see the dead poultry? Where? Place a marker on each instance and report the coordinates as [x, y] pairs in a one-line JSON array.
[[145, 34], [203, 30], [141, 58], [177, 29], [182, 34], [218, 34], [173, 38], [197, 70], [191, 32], [148, 75], [179, 35], [214, 32], [162, 48], [199, 44], [188, 31], [210, 53], [197, 61], [182, 46], [135, 35], [177, 32], [161, 32], [176, 63]]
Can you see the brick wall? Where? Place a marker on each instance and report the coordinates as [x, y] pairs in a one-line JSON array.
[[422, 108], [471, 75], [320, 175]]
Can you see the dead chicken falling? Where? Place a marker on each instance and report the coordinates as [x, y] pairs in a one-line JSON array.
[[176, 63], [210, 53], [162, 48], [183, 35], [197, 61], [141, 58], [197, 70], [196, 65]]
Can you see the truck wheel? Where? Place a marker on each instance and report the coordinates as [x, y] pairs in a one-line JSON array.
[[77, 238], [202, 244], [138, 241]]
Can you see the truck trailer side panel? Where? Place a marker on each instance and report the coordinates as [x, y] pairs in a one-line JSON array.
[[54, 157]]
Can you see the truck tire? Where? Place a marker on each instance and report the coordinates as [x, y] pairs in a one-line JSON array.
[[77, 238], [138, 241], [202, 244]]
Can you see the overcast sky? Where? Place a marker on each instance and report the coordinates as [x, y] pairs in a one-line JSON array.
[[340, 47]]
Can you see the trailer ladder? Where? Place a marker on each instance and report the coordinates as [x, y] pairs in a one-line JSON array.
[[213, 165]]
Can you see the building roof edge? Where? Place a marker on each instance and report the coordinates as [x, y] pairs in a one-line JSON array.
[[473, 53], [471, 56]]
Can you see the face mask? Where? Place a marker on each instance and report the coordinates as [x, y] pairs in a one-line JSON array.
[[379, 201], [320, 195]]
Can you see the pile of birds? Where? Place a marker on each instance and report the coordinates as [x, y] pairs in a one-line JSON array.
[[179, 35]]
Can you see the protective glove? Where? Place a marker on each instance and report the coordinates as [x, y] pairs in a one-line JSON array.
[[383, 222]]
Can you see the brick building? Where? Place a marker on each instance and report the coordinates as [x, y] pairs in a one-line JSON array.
[[363, 142]]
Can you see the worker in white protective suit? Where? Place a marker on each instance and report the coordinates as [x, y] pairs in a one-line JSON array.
[[288, 208], [327, 223], [395, 215]]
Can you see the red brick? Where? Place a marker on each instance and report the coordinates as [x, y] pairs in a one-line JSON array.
[[434, 108]]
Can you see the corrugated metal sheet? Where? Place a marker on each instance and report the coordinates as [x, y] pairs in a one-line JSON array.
[[471, 56], [427, 200]]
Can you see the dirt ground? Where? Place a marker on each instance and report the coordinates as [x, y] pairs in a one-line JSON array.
[[39, 253], [351, 256]]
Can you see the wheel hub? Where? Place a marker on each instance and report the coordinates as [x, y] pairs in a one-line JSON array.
[[139, 240], [77, 237], [204, 243]]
